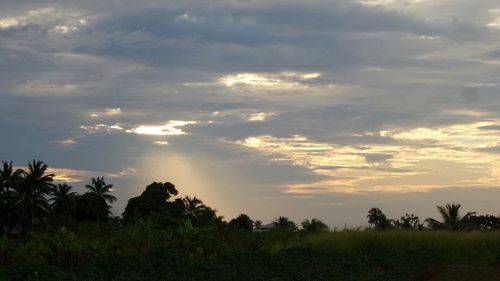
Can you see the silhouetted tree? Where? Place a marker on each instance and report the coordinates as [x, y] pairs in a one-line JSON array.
[[378, 219], [408, 222], [86, 208], [257, 223], [154, 199], [200, 214], [483, 222], [242, 222], [63, 200], [284, 224], [193, 207], [100, 194], [10, 180], [314, 226], [32, 193], [451, 218]]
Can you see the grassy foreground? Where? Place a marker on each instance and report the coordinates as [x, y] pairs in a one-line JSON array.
[[144, 251]]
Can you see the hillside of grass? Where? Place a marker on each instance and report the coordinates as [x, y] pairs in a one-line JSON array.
[[147, 251]]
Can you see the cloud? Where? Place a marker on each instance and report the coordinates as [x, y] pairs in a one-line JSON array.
[[68, 141], [101, 127], [77, 175], [318, 97], [259, 117], [283, 80], [169, 129], [71, 175], [415, 160], [160, 143]]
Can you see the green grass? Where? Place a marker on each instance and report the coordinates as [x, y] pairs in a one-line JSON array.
[[146, 252], [458, 247]]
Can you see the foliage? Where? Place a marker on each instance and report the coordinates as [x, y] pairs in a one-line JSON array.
[[63, 200], [98, 193], [378, 219], [408, 222], [284, 224], [482, 223], [152, 200], [314, 226], [162, 237], [451, 218], [86, 208], [242, 222]]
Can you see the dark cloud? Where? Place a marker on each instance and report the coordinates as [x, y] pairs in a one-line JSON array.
[[492, 127], [398, 68]]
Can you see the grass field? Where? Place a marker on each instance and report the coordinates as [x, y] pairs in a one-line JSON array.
[[144, 252]]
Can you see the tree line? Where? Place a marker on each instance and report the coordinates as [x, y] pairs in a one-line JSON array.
[[450, 220], [29, 198]]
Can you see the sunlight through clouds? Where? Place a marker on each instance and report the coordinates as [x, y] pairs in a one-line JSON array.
[[282, 80], [169, 129], [415, 160], [56, 20], [161, 142], [495, 24], [101, 127], [259, 117]]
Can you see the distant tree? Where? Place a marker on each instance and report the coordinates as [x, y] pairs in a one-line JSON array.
[[154, 199], [284, 224], [314, 226], [200, 214], [257, 223], [242, 222], [100, 194], [378, 219], [451, 218], [63, 200], [408, 222], [483, 223]]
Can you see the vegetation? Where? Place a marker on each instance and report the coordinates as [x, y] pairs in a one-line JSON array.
[[49, 232]]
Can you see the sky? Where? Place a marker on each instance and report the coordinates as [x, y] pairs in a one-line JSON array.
[[270, 108]]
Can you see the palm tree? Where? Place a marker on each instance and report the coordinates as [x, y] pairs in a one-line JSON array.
[[99, 189], [284, 223], [37, 176], [32, 192], [314, 225], [378, 219], [62, 199], [193, 206], [9, 181], [451, 218]]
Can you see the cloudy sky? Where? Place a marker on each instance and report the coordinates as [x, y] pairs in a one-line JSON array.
[[297, 108]]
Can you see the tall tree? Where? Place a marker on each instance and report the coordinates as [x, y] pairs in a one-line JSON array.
[[62, 200], [9, 181], [32, 192], [100, 192], [154, 199], [450, 214], [378, 219]]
